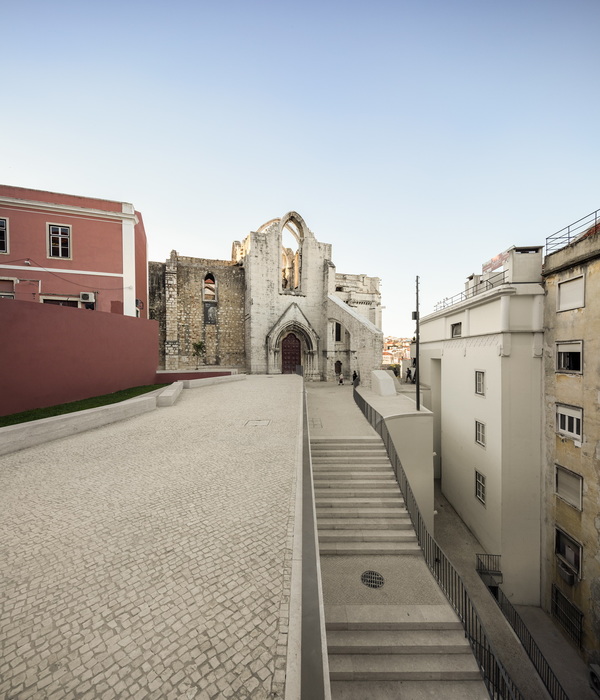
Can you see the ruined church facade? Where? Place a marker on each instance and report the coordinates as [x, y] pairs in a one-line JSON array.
[[277, 305]]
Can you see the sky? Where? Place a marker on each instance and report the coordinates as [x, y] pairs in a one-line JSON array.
[[418, 137]]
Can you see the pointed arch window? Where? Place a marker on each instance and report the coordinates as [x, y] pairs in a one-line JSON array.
[[291, 256], [209, 290]]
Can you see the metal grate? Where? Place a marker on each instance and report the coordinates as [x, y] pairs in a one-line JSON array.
[[372, 579]]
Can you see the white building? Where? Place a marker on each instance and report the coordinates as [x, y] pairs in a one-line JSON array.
[[481, 371]]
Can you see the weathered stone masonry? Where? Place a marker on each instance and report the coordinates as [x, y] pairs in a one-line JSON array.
[[278, 304], [195, 299]]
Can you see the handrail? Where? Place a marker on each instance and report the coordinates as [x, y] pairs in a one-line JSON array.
[[484, 285], [313, 682], [533, 651], [587, 224], [499, 684]]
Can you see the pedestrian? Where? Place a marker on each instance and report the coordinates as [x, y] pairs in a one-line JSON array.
[[408, 375], [341, 378], [354, 376]]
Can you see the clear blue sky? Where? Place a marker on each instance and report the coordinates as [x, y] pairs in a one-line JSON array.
[[417, 137]]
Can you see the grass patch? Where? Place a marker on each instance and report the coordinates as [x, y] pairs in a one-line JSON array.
[[74, 406]]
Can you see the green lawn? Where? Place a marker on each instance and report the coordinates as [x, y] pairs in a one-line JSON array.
[[94, 402]]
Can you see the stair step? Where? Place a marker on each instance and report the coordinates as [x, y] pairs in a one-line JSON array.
[[353, 468], [403, 667], [388, 483], [384, 476], [409, 690], [366, 536], [391, 617], [397, 642], [343, 453], [382, 494], [370, 548], [362, 439], [348, 502], [350, 459], [390, 510], [390, 524]]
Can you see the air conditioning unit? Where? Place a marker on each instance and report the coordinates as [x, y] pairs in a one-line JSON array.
[[90, 297], [595, 678], [566, 574]]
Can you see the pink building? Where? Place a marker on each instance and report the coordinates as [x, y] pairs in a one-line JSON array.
[[72, 251]]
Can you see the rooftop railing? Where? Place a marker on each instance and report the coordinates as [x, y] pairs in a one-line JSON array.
[[569, 234], [497, 681], [484, 285]]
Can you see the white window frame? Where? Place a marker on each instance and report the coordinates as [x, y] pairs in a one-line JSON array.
[[569, 346], [480, 487], [569, 422], [567, 307], [62, 298], [68, 236], [568, 551], [565, 494], [480, 433], [480, 382], [456, 330], [7, 237]]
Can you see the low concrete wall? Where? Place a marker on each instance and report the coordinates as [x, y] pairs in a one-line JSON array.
[[411, 432], [18, 437]]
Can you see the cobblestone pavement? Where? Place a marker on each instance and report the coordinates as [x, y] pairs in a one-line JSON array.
[[151, 558]]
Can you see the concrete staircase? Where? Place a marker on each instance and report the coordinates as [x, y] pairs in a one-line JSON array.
[[379, 651]]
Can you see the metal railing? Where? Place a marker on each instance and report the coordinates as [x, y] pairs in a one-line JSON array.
[[567, 235], [533, 651], [484, 285], [496, 679], [488, 563], [568, 615]]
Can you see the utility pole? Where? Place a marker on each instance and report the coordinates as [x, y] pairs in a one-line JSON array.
[[417, 373]]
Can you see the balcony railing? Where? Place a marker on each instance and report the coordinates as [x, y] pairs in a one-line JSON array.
[[488, 563], [569, 234], [484, 285], [497, 681]]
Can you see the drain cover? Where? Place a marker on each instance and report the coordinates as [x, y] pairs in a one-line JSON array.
[[372, 579]]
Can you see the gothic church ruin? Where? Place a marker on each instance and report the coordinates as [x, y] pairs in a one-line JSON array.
[[277, 305]]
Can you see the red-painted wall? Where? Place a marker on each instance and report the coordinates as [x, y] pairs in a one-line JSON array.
[[56, 354]]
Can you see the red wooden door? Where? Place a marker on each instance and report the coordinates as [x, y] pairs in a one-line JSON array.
[[290, 354]]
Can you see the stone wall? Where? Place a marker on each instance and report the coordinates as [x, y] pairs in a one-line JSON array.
[[189, 309]]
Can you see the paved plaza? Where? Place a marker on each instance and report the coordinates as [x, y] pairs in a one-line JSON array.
[[152, 558]]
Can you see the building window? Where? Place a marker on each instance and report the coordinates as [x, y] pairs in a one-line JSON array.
[[480, 433], [569, 421], [571, 294], [456, 330], [209, 290], [3, 235], [568, 551], [480, 383], [480, 487], [59, 241], [569, 486], [61, 302], [338, 332], [568, 356]]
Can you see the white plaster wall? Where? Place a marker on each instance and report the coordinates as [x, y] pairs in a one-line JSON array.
[[128, 236], [412, 435], [521, 470], [461, 455]]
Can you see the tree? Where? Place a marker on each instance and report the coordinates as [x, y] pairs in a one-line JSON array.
[[199, 349]]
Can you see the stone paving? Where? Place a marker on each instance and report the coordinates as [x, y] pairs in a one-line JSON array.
[[152, 558]]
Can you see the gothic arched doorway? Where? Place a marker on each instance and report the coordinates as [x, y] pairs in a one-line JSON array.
[[338, 368], [291, 353]]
